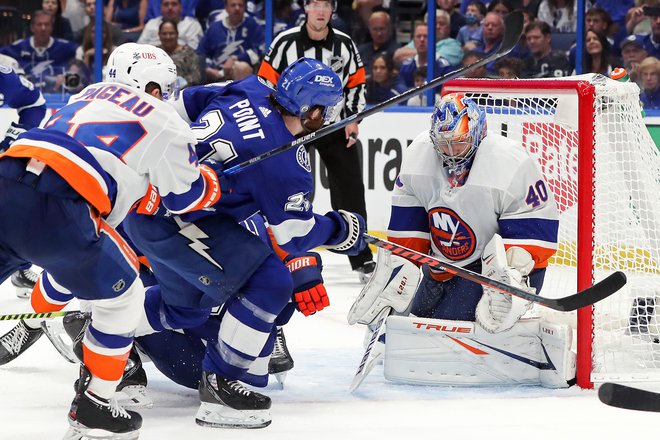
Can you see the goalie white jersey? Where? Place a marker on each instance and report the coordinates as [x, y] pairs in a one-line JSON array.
[[504, 193]]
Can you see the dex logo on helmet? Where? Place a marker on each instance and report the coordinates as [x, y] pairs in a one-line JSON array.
[[324, 80]]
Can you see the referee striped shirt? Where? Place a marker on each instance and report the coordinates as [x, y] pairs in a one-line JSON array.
[[337, 50]]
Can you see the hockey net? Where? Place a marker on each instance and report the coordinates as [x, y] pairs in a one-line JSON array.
[[589, 137]]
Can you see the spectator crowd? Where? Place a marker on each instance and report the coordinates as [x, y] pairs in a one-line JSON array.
[[217, 40]]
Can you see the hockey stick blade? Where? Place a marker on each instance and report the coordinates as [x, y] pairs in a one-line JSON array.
[[625, 397], [584, 298], [368, 362], [513, 27]]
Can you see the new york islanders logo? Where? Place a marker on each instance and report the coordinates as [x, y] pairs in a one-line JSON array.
[[452, 236]]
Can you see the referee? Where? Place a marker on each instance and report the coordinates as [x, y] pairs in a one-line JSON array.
[[317, 39]]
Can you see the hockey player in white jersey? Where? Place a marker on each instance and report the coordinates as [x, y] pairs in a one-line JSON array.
[[476, 199], [69, 184]]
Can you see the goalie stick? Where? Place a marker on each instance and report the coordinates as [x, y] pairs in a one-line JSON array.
[[584, 298], [368, 362], [513, 27], [622, 396]]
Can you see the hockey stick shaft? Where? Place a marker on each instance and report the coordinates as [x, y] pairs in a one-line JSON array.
[[584, 298], [46, 315], [622, 396], [513, 26]]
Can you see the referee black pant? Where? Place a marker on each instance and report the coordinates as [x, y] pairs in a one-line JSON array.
[[345, 181]]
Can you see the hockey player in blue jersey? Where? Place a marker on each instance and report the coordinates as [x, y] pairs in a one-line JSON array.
[[64, 188], [20, 94], [207, 259], [43, 57]]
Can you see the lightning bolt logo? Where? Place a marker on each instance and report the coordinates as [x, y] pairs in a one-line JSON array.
[[231, 48], [195, 235]]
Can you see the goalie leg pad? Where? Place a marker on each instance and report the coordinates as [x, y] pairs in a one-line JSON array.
[[392, 284], [443, 352], [557, 340]]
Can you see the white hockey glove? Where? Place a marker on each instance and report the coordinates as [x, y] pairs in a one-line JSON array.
[[350, 238], [393, 284], [498, 311], [14, 131]]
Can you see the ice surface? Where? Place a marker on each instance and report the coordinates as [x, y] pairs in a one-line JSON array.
[[315, 404]]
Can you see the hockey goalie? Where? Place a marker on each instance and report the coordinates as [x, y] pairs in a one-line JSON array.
[[473, 198]]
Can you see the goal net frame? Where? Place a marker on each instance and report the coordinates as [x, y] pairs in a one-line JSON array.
[[578, 94]]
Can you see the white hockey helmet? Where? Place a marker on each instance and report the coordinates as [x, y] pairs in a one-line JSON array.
[[11, 62], [137, 65]]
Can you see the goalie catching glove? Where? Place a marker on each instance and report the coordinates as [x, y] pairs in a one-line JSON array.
[[309, 294], [496, 311], [393, 284]]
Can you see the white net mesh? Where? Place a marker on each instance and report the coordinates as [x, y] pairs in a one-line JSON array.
[[626, 208]]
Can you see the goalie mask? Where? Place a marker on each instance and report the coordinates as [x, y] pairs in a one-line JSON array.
[[457, 127], [137, 65]]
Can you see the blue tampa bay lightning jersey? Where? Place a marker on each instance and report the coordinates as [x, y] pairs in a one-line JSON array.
[[221, 40], [42, 65], [20, 94], [236, 121]]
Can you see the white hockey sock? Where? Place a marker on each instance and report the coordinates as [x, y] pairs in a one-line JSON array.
[[33, 324], [103, 388]]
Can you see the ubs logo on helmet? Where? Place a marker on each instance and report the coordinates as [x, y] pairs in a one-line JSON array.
[[144, 56], [451, 235]]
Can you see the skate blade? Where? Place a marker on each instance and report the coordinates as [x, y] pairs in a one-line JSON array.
[[80, 432], [134, 396], [57, 336], [23, 292], [221, 416], [280, 378]]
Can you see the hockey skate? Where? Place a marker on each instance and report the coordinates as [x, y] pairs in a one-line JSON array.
[[24, 281], [228, 404], [92, 417], [16, 341], [57, 334], [280, 360], [365, 271], [64, 336], [132, 390]]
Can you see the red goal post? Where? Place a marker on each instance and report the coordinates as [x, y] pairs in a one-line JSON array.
[[590, 141]]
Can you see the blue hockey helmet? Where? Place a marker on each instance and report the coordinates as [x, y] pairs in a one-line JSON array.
[[308, 83]]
